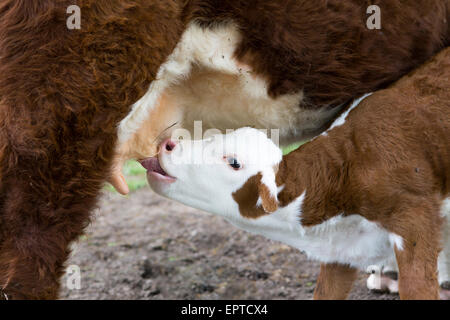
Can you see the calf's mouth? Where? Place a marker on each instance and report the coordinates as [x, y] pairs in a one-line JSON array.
[[155, 171]]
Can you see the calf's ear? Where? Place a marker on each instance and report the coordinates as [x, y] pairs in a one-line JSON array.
[[268, 191], [258, 196]]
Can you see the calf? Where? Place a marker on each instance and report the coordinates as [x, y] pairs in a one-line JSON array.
[[370, 189]]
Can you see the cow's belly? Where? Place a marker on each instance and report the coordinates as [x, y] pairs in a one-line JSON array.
[[203, 81], [216, 100]]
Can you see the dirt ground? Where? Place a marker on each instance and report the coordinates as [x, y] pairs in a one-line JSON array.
[[146, 247]]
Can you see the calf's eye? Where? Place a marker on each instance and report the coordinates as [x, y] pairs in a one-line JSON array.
[[234, 163]]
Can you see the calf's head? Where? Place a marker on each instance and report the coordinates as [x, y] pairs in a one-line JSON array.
[[224, 174]]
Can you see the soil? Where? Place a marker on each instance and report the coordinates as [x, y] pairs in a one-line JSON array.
[[146, 247]]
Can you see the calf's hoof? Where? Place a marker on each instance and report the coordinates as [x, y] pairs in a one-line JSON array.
[[445, 291], [383, 283]]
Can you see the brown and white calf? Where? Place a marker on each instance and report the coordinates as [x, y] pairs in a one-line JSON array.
[[373, 188]]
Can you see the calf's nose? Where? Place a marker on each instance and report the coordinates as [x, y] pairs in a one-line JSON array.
[[169, 145]]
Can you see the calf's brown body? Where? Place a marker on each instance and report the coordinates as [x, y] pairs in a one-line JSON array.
[[390, 163]]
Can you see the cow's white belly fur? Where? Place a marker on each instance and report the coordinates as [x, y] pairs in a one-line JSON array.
[[204, 80]]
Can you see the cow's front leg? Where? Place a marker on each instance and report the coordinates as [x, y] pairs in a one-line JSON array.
[[38, 223], [29, 271], [335, 282]]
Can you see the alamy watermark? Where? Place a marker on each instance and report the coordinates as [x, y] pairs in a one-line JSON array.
[[211, 146], [73, 22], [374, 20], [73, 281]]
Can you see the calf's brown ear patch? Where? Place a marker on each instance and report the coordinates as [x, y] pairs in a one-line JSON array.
[[269, 202], [247, 198]]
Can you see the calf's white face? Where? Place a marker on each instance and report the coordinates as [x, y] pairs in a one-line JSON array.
[[207, 174]]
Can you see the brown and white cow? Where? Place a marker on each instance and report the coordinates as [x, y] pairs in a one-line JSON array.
[[371, 189], [70, 100]]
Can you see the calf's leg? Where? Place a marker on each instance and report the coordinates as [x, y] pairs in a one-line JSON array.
[[444, 258], [418, 277], [384, 278], [335, 282], [417, 255]]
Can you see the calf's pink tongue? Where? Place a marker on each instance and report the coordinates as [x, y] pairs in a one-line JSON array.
[[152, 165]]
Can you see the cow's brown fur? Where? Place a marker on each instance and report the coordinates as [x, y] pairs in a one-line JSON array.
[[311, 45], [63, 93], [389, 163]]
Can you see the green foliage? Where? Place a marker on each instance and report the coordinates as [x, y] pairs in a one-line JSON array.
[[135, 175], [133, 168], [291, 148]]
